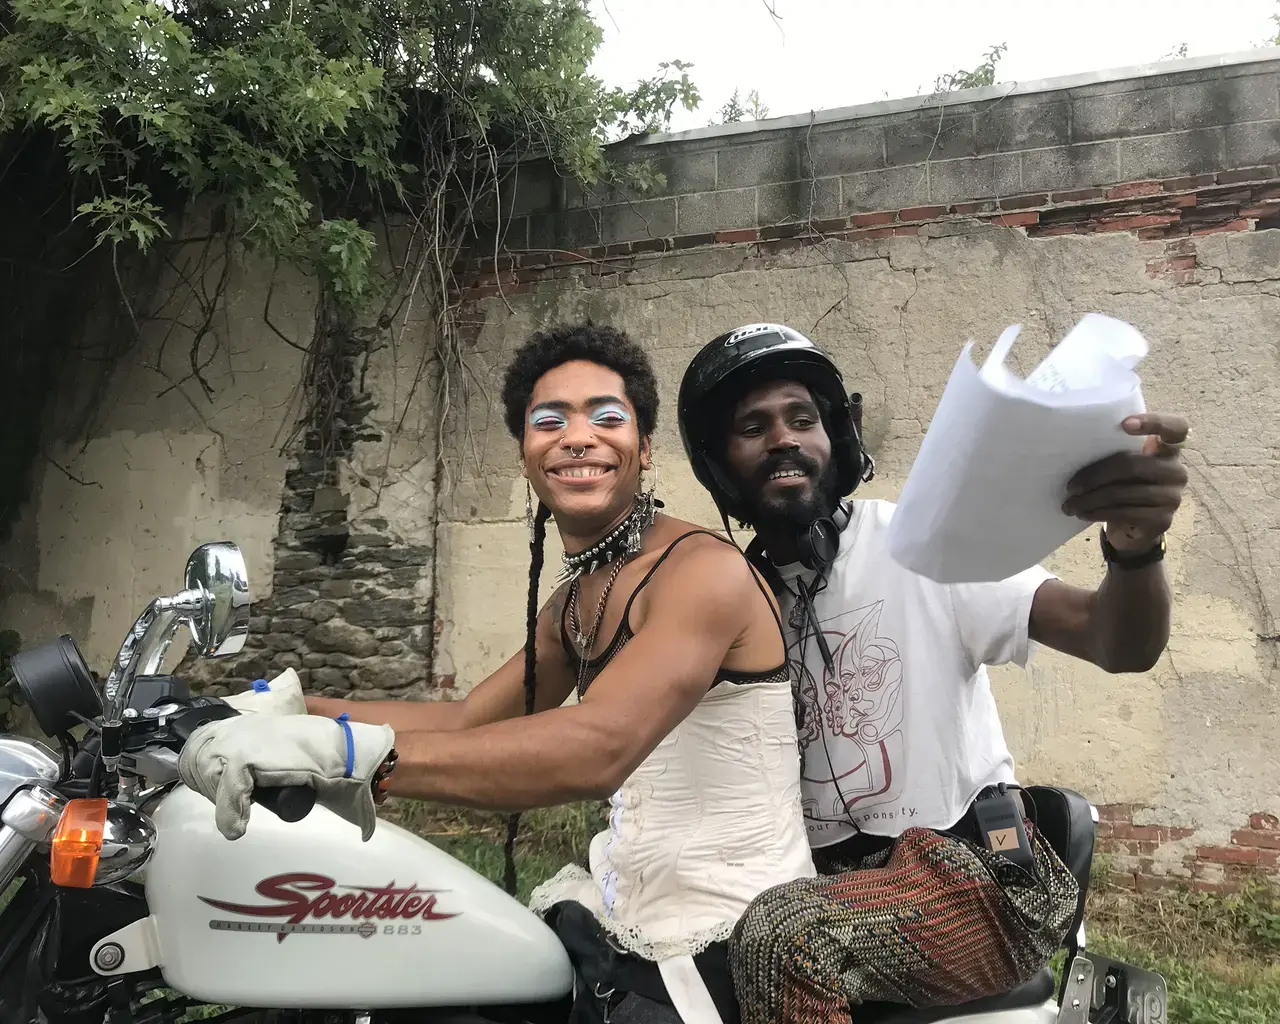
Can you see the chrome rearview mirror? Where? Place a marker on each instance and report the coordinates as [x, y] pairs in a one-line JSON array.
[[215, 608], [221, 626]]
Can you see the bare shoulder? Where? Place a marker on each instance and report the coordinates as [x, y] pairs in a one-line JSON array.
[[553, 610], [703, 568], [719, 550]]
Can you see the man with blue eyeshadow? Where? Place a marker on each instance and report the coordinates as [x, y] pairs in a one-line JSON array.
[[655, 677]]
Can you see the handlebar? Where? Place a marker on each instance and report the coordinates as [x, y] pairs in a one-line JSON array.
[[288, 803]]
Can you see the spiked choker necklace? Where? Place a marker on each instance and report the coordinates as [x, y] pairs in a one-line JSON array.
[[623, 541]]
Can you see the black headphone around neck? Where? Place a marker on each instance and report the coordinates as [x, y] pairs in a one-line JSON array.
[[819, 542], [816, 545]]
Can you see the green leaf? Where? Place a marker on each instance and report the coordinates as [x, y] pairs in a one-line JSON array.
[[310, 120]]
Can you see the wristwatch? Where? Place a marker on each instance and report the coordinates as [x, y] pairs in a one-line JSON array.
[[1128, 560], [381, 781]]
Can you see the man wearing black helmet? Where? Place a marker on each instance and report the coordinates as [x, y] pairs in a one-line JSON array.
[[902, 748]]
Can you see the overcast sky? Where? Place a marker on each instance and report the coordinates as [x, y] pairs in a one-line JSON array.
[[822, 54]]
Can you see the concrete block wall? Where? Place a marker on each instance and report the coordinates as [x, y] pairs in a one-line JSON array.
[[996, 143]]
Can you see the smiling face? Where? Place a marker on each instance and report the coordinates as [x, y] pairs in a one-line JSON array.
[[582, 407], [779, 454]]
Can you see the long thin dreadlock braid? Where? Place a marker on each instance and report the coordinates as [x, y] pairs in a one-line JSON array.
[[536, 544]]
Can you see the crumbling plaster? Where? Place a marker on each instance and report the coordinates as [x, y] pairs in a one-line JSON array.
[[1194, 737], [165, 466]]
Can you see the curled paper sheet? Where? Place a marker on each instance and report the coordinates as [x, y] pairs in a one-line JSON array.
[[983, 500]]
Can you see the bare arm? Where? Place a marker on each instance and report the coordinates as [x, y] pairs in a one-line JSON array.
[[495, 698], [1122, 626], [698, 609], [401, 715]]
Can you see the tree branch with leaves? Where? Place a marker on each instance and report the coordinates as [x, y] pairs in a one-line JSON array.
[[303, 125]]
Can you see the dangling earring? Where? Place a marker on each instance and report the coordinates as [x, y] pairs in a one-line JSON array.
[[528, 508], [638, 525], [641, 520]]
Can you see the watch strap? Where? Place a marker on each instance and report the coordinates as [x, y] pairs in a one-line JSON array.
[[1131, 560], [380, 784]]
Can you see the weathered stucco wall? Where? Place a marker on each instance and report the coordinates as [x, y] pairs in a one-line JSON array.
[[1154, 199], [1193, 739], [337, 530], [165, 465]]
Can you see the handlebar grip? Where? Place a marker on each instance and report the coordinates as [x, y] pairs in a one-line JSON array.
[[288, 803]]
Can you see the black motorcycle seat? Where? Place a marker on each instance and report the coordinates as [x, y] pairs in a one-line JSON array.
[[1065, 818], [1030, 993]]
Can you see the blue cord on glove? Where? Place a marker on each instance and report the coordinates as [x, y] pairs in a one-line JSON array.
[[342, 720]]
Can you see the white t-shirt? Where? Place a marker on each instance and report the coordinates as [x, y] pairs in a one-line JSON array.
[[906, 725]]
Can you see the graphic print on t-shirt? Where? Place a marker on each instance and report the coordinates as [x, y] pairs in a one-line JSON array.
[[858, 707]]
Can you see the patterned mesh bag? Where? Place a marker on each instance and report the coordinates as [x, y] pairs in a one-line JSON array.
[[933, 920]]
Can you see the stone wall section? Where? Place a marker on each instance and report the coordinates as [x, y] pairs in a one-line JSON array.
[[346, 609]]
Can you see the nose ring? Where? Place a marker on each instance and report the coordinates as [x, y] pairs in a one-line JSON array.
[[578, 453]]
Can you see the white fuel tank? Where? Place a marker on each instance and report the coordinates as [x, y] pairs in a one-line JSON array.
[[306, 915]]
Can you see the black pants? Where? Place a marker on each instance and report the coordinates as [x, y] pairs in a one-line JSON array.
[[614, 986]]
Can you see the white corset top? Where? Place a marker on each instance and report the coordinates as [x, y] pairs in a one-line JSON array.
[[710, 820]]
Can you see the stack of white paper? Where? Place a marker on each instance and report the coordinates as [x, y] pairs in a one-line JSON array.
[[983, 500]]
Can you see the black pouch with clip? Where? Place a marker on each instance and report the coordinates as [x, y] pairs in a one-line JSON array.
[[997, 819]]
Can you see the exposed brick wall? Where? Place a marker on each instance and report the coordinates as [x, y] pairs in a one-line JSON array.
[[1174, 209], [1147, 857]]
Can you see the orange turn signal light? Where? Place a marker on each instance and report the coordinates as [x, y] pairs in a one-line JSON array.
[[77, 843]]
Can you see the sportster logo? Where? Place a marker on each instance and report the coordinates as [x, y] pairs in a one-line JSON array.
[[300, 902]]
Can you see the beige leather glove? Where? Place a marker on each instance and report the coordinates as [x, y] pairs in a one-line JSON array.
[[225, 760], [280, 696]]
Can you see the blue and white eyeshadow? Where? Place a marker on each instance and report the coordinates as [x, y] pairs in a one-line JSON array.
[[542, 418], [610, 415]]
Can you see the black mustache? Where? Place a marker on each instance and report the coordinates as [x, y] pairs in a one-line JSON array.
[[786, 460]]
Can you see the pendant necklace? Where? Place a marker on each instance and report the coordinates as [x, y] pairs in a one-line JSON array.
[[616, 548]]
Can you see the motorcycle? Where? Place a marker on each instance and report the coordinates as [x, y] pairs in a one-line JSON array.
[[123, 904]]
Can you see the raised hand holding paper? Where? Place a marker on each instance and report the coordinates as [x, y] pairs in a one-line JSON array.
[[983, 500]]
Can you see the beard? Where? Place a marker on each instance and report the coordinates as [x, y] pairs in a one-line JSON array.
[[773, 512]]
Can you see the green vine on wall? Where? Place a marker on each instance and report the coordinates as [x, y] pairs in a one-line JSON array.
[[303, 126], [10, 644]]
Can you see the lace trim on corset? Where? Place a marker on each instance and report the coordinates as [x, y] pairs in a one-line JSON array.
[[569, 883]]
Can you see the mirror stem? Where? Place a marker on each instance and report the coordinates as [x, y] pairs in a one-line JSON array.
[[144, 648]]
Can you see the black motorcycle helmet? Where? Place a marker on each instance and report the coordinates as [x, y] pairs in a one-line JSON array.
[[733, 362]]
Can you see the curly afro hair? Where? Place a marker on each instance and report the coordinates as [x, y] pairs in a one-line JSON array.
[[607, 346]]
